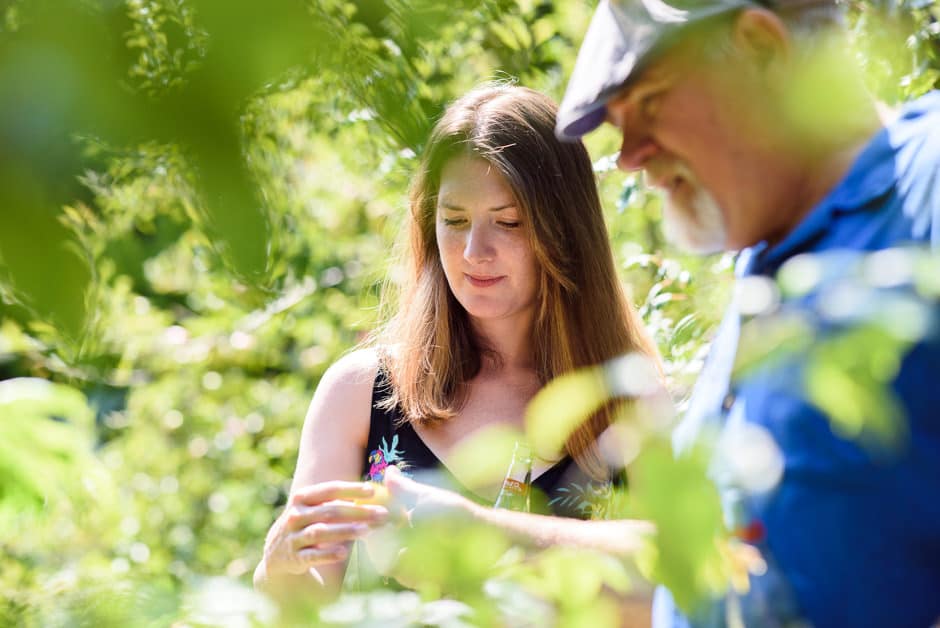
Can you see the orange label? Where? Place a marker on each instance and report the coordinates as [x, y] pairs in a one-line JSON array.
[[514, 486]]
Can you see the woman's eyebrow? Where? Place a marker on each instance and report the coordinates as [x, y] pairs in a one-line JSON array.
[[457, 208]]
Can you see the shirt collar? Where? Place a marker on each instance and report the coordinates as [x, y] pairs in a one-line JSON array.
[[881, 164], [870, 178]]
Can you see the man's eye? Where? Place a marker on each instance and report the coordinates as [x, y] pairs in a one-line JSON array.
[[649, 104]]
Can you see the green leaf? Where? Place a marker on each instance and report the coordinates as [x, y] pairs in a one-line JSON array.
[[45, 441], [563, 405], [677, 495]]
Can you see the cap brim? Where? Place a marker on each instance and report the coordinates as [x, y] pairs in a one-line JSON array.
[[605, 61], [622, 38], [582, 125]]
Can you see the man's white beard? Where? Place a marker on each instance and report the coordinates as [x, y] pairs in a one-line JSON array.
[[698, 228]]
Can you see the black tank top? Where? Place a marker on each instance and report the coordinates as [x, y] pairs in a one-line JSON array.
[[564, 489]]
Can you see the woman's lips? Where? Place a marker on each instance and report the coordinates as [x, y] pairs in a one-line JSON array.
[[482, 281]]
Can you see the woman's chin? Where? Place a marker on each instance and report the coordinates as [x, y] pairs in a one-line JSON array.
[[495, 314], [486, 314]]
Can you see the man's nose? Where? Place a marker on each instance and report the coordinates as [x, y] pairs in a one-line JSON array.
[[636, 150], [479, 245]]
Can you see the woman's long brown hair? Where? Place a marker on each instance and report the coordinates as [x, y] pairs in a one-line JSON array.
[[582, 317]]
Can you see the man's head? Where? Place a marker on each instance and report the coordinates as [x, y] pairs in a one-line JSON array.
[[710, 98]]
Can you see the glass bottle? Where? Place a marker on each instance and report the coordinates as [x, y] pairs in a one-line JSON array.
[[514, 493]]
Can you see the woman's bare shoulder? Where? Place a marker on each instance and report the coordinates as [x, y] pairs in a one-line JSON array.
[[349, 381], [342, 404]]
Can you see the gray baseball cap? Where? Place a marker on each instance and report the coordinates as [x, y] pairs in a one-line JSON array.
[[622, 37]]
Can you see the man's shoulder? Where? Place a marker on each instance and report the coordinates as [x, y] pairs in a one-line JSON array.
[[917, 164], [915, 135], [898, 172], [926, 105]]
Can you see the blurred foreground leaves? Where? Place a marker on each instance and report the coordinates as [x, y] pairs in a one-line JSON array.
[[47, 426], [198, 200]]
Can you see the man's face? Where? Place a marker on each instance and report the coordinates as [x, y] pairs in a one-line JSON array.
[[697, 132]]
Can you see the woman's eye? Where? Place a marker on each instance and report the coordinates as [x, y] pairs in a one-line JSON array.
[[453, 222], [508, 224]]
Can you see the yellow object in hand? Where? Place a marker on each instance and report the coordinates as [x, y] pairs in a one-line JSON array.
[[380, 496]]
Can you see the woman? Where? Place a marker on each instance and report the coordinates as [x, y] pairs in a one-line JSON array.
[[510, 283]]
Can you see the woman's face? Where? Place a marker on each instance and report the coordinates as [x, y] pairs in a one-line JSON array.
[[483, 244]]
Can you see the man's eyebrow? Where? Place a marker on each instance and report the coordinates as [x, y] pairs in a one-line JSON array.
[[626, 91], [458, 208], [650, 78]]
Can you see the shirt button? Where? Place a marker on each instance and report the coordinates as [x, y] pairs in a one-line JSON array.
[[727, 402]]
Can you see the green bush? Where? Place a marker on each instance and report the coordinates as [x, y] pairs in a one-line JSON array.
[[199, 202]]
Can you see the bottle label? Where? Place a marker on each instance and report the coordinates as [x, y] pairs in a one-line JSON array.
[[514, 486]]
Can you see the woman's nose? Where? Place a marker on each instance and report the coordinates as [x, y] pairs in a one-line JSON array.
[[479, 245]]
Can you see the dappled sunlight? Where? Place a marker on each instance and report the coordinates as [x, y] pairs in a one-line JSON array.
[[480, 460], [200, 200]]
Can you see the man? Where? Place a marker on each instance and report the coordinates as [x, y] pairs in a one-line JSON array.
[[752, 121]]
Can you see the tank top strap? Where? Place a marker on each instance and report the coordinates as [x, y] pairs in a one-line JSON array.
[[381, 426]]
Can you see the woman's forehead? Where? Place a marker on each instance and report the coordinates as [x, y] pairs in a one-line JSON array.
[[470, 182]]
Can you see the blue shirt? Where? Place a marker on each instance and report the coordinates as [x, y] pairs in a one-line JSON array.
[[851, 538]]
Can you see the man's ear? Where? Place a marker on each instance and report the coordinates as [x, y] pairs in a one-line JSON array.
[[761, 36]]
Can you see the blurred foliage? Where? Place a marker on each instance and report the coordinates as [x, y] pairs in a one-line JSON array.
[[905, 37], [689, 527], [198, 202]]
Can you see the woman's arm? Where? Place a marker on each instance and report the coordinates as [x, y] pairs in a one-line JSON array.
[[622, 538], [307, 547]]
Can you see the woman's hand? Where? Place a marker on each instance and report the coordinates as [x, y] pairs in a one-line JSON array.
[[410, 503], [420, 501], [318, 524]]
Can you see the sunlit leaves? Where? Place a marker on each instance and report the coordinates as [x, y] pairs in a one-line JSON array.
[[446, 555], [46, 431], [403, 608], [563, 405], [42, 268], [680, 300], [676, 494], [866, 312], [240, 171], [898, 45], [581, 587], [215, 601], [823, 99], [849, 378], [569, 400], [169, 43], [763, 341], [481, 459]]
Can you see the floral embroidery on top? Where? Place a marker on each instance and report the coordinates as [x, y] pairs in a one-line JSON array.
[[381, 458], [592, 500]]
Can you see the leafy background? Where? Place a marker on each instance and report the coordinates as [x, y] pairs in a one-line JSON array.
[[199, 198]]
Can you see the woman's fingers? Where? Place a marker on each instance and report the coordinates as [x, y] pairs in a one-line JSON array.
[[321, 543], [322, 518], [299, 517], [328, 491], [311, 556], [328, 533], [343, 512], [402, 496]]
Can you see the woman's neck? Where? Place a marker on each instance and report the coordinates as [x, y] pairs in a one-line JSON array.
[[510, 340]]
